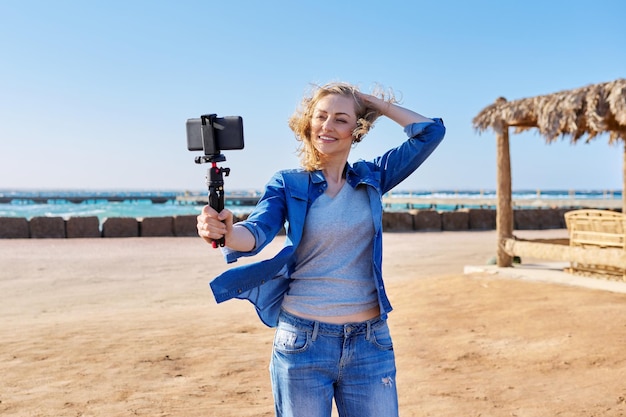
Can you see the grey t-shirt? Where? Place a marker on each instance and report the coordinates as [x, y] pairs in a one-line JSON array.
[[333, 274]]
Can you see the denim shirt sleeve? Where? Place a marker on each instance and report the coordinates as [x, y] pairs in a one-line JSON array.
[[265, 221], [398, 163]]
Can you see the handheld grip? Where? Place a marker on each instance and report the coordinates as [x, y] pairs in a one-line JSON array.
[[215, 182]]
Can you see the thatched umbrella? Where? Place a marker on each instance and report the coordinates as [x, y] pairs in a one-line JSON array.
[[580, 113]]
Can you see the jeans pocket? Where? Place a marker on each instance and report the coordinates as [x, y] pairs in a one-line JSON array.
[[289, 339], [381, 337]]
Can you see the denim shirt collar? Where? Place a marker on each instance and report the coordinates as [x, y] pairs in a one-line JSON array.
[[353, 177]]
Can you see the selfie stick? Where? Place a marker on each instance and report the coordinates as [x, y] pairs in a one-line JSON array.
[[215, 174]]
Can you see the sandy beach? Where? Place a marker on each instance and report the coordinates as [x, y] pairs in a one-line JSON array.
[[128, 327]]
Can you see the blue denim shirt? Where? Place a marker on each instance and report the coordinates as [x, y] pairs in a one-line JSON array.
[[285, 202]]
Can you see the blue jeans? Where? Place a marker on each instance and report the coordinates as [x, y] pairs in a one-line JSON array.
[[312, 362]]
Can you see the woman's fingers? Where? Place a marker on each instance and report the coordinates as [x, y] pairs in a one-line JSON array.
[[213, 225]]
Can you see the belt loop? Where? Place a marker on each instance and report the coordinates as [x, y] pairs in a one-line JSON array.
[[369, 330], [316, 327]]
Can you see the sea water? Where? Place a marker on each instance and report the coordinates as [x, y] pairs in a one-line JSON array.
[[141, 204]]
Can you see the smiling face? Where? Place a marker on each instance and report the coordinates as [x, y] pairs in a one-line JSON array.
[[332, 123]]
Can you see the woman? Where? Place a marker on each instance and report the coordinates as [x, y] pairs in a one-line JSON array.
[[324, 290]]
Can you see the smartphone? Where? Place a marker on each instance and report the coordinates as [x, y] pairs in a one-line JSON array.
[[227, 134]]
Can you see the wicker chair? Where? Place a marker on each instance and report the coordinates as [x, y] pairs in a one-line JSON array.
[[599, 229]]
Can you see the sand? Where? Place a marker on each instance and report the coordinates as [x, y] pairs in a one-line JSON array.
[[128, 327]]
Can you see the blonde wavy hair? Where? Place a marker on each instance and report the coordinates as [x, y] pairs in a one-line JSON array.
[[300, 121]]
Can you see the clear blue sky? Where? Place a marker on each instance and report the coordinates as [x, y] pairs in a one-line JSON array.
[[95, 94]]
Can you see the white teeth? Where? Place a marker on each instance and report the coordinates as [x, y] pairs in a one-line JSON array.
[[327, 138]]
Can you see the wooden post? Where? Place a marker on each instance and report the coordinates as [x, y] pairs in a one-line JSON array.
[[504, 211], [624, 180]]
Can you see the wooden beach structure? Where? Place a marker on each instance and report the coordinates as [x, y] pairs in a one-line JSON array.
[[582, 114]]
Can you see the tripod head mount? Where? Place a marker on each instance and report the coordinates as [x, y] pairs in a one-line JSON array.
[[210, 158]]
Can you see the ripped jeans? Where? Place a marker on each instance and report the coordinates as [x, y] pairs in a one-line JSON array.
[[312, 362]]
